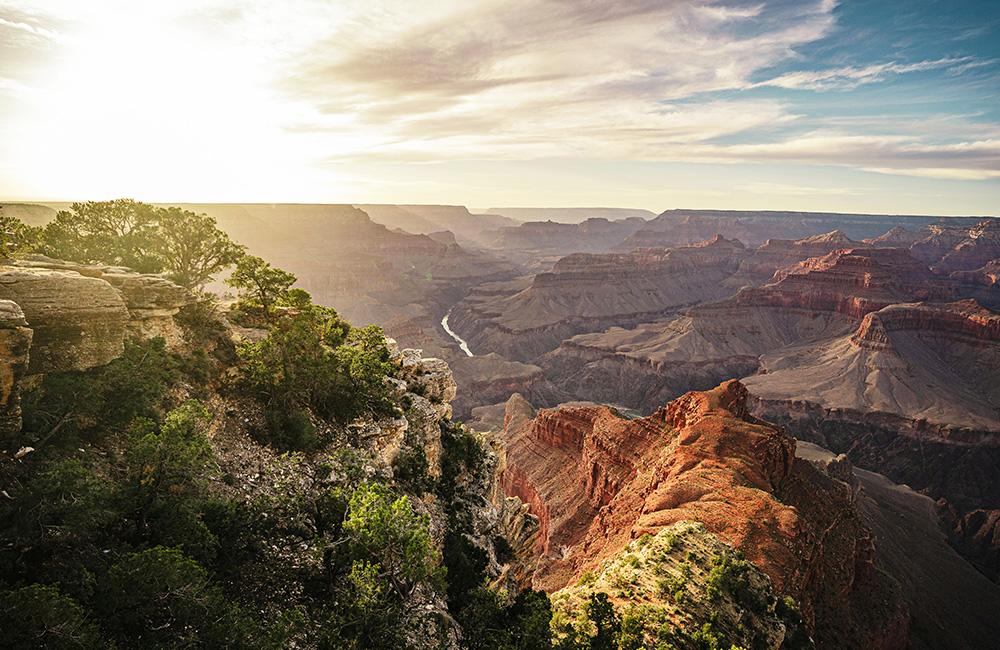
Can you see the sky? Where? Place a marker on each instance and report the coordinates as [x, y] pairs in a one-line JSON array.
[[850, 105]]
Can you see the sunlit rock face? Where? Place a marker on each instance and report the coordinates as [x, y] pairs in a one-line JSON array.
[[15, 341], [78, 321], [598, 481], [152, 303]]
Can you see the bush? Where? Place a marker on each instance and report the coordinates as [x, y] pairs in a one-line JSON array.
[[160, 597], [67, 404], [39, 616]]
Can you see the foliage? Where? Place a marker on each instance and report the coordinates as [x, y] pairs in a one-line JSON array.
[[313, 359], [39, 616], [259, 284], [160, 597], [393, 537], [16, 237], [192, 248], [188, 247], [492, 620], [70, 403], [120, 232]]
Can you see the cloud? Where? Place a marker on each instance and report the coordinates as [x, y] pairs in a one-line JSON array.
[[850, 77]]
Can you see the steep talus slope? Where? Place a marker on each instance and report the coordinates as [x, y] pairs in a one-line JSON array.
[[934, 362], [598, 481], [588, 292], [951, 604]]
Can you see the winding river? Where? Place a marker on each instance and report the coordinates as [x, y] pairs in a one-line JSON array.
[[458, 339]]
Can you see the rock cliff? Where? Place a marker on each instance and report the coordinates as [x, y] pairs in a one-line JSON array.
[[598, 481]]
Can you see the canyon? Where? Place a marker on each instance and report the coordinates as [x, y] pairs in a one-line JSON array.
[[817, 392]]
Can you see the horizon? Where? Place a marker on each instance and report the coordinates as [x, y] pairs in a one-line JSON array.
[[820, 106], [495, 209]]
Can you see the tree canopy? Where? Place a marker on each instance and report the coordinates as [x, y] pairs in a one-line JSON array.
[[188, 247]]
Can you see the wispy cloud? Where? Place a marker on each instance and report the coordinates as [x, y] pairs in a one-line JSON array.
[[850, 77], [23, 25]]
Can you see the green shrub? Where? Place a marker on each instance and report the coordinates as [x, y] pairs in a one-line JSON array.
[[38, 616]]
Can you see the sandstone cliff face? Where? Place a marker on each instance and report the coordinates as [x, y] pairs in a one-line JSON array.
[[15, 341], [597, 481], [61, 317], [78, 321], [587, 292]]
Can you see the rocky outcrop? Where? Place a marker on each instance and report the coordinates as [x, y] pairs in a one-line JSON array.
[[982, 284], [82, 313], [15, 341], [426, 387], [78, 321], [152, 303], [776, 254], [586, 292], [598, 481]]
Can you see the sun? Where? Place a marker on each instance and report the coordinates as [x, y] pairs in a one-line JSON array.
[[140, 103]]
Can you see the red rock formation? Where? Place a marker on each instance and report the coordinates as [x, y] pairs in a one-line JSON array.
[[895, 237], [964, 321], [776, 254], [959, 247], [819, 299], [597, 480]]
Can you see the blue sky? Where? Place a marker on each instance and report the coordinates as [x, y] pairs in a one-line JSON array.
[[857, 105]]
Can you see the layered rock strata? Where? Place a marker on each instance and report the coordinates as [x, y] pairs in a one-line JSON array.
[[597, 481], [590, 292]]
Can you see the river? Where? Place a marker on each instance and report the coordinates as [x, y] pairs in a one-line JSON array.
[[458, 339]]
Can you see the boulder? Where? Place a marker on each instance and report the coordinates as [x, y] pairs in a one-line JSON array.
[[79, 322]]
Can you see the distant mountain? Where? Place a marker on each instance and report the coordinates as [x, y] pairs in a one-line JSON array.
[[468, 228], [571, 215], [681, 227]]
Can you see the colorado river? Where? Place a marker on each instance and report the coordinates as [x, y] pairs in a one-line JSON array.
[[461, 342]]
